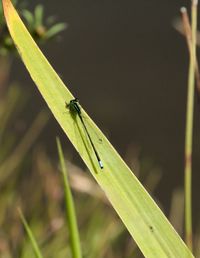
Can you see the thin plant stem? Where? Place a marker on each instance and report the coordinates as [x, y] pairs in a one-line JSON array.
[[189, 131], [70, 209], [188, 36], [29, 232]]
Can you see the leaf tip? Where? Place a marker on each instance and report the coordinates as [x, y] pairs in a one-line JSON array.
[[6, 6], [8, 10]]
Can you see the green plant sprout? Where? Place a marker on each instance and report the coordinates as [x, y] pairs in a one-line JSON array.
[[31, 237], [70, 207], [40, 28]]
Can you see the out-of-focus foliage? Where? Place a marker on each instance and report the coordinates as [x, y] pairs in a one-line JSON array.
[[42, 29]]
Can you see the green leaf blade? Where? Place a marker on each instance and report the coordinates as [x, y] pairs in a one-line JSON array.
[[29, 232], [70, 208]]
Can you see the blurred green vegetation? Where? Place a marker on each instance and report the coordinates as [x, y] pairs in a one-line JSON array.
[[42, 30], [31, 180]]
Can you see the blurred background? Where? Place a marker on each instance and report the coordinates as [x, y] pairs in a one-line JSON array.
[[128, 66]]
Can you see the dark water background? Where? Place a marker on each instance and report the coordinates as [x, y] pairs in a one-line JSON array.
[[128, 66]]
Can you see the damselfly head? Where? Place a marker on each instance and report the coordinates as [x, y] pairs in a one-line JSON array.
[[73, 106]]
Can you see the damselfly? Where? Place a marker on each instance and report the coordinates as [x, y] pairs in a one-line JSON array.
[[75, 109]]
